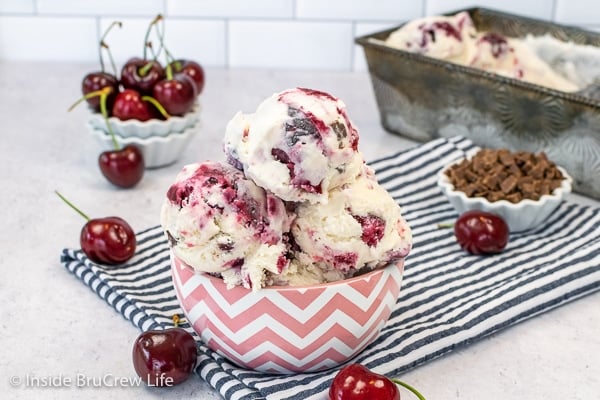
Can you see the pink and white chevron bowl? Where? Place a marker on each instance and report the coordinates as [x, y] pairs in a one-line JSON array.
[[288, 329]]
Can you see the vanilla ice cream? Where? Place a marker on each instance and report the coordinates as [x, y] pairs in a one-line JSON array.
[[455, 39], [220, 222], [444, 37], [297, 206], [299, 144], [360, 228]]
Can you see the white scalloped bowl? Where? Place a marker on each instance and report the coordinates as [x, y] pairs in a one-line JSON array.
[[146, 129], [524, 215], [158, 151]]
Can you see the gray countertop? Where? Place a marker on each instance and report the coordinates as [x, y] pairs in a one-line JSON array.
[[53, 326]]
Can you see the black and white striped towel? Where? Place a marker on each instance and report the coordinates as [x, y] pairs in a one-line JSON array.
[[448, 298]]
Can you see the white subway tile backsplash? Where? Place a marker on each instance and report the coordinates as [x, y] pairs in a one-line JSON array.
[[201, 40], [17, 6], [538, 9], [584, 12], [47, 38], [293, 45], [359, 10], [128, 41], [231, 8], [101, 7], [304, 34], [359, 62]]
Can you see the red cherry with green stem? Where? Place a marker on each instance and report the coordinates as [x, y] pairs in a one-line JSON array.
[[164, 357], [130, 104], [177, 93], [357, 382], [95, 81], [123, 167], [108, 240], [142, 74], [191, 69], [481, 232], [182, 66]]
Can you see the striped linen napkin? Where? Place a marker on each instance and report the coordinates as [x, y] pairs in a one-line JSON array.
[[448, 298]]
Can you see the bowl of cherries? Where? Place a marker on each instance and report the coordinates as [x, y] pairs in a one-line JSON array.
[[149, 104]]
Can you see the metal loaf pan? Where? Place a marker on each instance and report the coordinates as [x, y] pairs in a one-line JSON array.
[[423, 98]]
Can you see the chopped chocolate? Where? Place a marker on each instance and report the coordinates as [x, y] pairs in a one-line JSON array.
[[509, 184], [499, 174]]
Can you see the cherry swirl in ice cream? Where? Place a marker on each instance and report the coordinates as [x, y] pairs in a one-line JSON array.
[[220, 222], [296, 205], [299, 144]]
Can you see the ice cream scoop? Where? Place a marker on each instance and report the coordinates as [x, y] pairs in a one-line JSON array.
[[513, 58], [454, 38], [299, 144], [444, 37], [360, 228], [220, 222]]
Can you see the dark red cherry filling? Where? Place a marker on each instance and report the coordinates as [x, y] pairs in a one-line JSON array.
[[498, 43], [303, 184], [373, 228], [428, 32], [345, 261]]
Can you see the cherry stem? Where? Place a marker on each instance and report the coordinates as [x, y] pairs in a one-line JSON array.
[[72, 205], [103, 45], [110, 56], [146, 68], [89, 95], [176, 320], [104, 112], [410, 388], [445, 225], [168, 56], [158, 106], [152, 23], [103, 94]]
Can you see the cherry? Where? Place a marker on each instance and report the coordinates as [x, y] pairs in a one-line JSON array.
[[480, 232], [357, 382], [95, 81], [141, 75], [176, 94], [191, 69], [123, 167], [129, 104], [164, 357], [108, 240]]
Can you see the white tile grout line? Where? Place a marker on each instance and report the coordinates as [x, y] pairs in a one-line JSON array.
[[226, 61]]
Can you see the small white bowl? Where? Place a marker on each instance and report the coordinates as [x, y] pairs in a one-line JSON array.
[[145, 129], [521, 216], [158, 151]]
